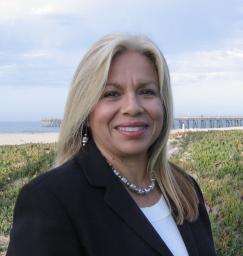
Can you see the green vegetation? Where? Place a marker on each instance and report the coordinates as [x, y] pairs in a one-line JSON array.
[[18, 165], [215, 159]]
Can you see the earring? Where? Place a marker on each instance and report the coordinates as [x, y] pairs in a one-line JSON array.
[[85, 137]]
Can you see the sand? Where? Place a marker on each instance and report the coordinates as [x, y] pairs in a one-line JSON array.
[[50, 137], [206, 129], [24, 138]]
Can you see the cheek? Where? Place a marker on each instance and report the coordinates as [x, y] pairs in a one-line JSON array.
[[100, 116], [157, 115], [157, 111]]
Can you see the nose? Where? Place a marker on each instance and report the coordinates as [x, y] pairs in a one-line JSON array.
[[132, 105]]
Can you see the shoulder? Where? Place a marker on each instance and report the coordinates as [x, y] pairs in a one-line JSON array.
[[42, 214], [59, 182], [55, 174]]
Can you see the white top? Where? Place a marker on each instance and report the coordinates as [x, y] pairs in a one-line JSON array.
[[161, 219]]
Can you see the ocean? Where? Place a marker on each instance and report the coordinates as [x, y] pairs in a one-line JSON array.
[[36, 127], [25, 127]]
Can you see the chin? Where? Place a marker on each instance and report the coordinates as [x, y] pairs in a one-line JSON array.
[[133, 150]]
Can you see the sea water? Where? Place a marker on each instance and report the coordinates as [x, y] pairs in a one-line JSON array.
[[25, 127]]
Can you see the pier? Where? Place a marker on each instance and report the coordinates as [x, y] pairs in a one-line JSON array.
[[207, 122], [51, 122], [192, 122]]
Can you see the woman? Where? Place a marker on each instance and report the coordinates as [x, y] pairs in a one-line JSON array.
[[113, 191]]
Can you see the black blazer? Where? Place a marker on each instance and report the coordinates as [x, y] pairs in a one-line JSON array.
[[81, 208]]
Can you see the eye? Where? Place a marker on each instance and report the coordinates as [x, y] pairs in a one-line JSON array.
[[111, 94], [148, 91]]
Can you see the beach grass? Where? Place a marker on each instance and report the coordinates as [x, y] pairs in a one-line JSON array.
[[214, 158], [18, 165]]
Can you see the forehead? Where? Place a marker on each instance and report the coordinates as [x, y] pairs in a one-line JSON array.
[[132, 63]]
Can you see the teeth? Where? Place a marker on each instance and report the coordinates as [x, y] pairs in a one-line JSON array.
[[130, 129]]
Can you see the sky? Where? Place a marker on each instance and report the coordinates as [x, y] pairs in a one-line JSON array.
[[42, 42]]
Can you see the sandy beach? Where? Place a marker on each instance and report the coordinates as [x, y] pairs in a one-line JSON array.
[[24, 138], [206, 129]]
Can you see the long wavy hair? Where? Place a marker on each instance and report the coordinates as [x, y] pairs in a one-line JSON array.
[[85, 91]]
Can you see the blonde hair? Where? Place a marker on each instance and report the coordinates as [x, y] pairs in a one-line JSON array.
[[86, 89]]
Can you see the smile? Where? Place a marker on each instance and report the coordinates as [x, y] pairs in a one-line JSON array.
[[130, 129], [132, 132]]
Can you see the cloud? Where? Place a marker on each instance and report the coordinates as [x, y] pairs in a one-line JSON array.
[[209, 82], [31, 103], [42, 42], [22, 9], [7, 70], [38, 54], [38, 68], [207, 67], [222, 99]]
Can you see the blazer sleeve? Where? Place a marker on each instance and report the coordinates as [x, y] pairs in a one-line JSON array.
[[41, 226]]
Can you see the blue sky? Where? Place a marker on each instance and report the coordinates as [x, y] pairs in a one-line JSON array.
[[43, 41]]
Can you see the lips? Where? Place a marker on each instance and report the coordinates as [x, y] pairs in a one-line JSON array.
[[132, 130]]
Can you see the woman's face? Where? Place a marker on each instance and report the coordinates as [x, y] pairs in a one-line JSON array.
[[128, 117]]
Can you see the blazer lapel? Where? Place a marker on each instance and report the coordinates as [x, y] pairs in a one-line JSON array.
[[188, 238], [121, 202], [99, 174]]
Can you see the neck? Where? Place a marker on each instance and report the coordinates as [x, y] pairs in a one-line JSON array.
[[133, 168]]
